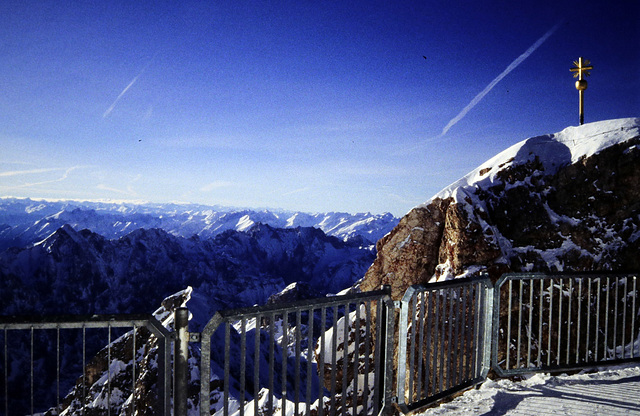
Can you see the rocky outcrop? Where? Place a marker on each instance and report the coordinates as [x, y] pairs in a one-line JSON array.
[[558, 203]]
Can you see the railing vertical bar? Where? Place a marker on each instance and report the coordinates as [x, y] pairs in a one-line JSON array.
[[84, 367], [334, 361], [466, 345], [321, 358], [606, 320], [310, 344], [377, 358], [457, 352], [58, 368], [227, 365], [356, 358], [285, 347], [439, 346], [272, 361], [367, 353], [475, 359], [615, 319], [31, 371], [530, 330], [6, 374], [624, 316], [243, 363], [345, 358], [589, 312], [569, 320], [471, 334], [508, 348], [549, 329], [443, 321], [296, 381], [445, 351], [256, 362], [449, 339], [412, 345], [579, 319], [519, 333], [558, 352], [540, 322], [428, 350], [597, 331], [133, 370], [474, 333], [480, 328], [421, 357], [633, 315], [109, 370]]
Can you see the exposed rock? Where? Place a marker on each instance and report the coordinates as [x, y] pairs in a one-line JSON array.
[[532, 209]]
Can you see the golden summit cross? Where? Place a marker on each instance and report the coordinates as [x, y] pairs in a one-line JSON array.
[[581, 69]]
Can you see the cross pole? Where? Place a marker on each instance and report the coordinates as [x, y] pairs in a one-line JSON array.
[[581, 69]]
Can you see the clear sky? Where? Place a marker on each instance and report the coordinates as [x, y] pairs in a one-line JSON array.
[[301, 105]]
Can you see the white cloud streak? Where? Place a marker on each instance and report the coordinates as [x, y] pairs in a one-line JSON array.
[[25, 172], [133, 81], [296, 191], [64, 176], [216, 185], [493, 83]]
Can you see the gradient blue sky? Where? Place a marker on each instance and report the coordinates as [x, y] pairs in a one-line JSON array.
[[300, 105]]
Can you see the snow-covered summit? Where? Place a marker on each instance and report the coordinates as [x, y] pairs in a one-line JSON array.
[[552, 151], [563, 202]]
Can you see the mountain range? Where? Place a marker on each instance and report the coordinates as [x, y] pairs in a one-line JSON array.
[[25, 221]]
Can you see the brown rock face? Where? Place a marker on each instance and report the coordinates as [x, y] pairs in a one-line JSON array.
[[582, 217], [408, 255]]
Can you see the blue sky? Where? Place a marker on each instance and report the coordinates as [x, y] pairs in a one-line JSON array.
[[299, 105]]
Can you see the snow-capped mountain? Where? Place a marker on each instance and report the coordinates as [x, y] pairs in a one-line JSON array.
[[25, 221], [83, 272], [568, 201]]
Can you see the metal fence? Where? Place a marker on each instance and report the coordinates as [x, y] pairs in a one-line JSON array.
[[444, 343], [336, 355], [41, 358], [322, 356], [553, 322]]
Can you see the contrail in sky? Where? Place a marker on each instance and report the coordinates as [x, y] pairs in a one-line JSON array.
[[133, 81], [493, 83]]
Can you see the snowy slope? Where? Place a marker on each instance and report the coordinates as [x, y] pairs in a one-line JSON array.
[[611, 391], [553, 151]]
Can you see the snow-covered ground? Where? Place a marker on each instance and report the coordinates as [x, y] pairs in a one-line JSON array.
[[611, 391]]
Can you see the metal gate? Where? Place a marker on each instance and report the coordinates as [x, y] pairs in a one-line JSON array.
[[444, 340]]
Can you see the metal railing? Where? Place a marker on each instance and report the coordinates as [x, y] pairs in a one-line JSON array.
[[553, 322], [336, 355], [444, 344], [68, 342], [326, 356]]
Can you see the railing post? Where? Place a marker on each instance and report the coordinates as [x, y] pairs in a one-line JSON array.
[[386, 356], [181, 366]]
